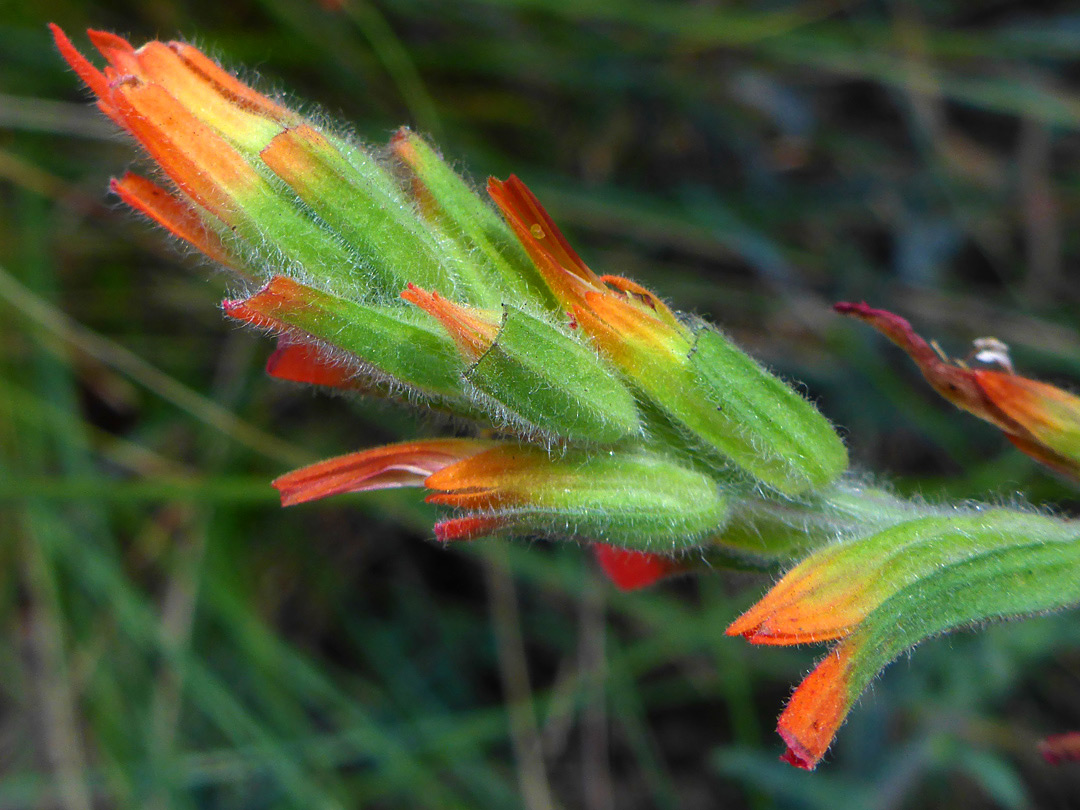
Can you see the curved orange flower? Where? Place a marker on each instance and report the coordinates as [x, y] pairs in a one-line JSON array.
[[1040, 419]]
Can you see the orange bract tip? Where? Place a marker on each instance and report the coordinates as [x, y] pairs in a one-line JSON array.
[[806, 599], [471, 330], [300, 156], [565, 273], [816, 710], [93, 77], [264, 309], [396, 465], [171, 212]]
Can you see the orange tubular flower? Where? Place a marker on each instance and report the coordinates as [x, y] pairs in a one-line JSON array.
[[407, 464], [614, 311], [1040, 419], [817, 709]]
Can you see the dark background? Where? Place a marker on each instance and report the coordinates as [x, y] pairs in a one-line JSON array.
[[172, 638]]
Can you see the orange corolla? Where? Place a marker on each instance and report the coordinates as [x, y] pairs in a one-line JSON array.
[[406, 464]]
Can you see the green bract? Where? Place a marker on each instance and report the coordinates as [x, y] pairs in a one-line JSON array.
[[551, 381]]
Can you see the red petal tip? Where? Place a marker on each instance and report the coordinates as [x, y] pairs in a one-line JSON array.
[[470, 527], [795, 754], [848, 308], [630, 570]]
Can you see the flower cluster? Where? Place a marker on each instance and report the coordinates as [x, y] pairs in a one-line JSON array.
[[618, 421], [601, 416]]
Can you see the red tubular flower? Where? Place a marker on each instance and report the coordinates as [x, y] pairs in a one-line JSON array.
[[1040, 419], [307, 363], [630, 569]]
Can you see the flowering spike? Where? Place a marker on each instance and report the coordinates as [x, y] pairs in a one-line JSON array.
[[650, 432], [396, 465], [1041, 420]]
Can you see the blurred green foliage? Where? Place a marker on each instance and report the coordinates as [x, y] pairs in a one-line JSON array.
[[174, 639]]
